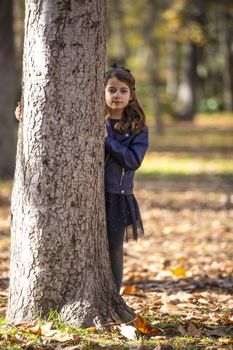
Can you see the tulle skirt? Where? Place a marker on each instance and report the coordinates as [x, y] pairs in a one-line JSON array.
[[123, 217]]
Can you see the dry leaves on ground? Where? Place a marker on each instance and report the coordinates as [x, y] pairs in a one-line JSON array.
[[179, 276]]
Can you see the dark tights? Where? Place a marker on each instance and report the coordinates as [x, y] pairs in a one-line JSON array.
[[116, 259]]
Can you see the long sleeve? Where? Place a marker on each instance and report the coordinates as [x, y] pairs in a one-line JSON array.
[[129, 157]]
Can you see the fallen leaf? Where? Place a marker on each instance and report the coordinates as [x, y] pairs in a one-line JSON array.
[[63, 337], [169, 308], [182, 330], [203, 301], [128, 331], [33, 327], [26, 325], [145, 327], [37, 328], [193, 330], [91, 329], [179, 271], [46, 329], [49, 333], [166, 264], [129, 290]]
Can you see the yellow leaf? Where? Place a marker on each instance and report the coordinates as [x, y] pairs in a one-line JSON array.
[[179, 271], [145, 327], [91, 329]]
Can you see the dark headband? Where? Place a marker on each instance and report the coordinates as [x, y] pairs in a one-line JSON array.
[[115, 66]]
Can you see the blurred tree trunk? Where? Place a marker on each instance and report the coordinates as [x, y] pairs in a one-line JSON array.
[[124, 47], [59, 255], [155, 84], [187, 96], [7, 88], [172, 74], [153, 63], [116, 28], [226, 9]]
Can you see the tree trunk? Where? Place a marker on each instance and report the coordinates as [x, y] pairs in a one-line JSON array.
[[7, 88], [186, 95], [153, 64], [155, 83], [226, 44], [59, 257], [117, 33], [171, 67], [187, 90]]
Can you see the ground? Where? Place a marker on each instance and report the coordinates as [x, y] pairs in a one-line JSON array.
[[179, 275]]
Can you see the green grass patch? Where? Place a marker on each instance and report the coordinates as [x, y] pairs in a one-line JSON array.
[[206, 134], [12, 338], [180, 165], [192, 140]]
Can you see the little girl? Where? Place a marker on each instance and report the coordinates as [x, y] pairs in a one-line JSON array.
[[126, 142]]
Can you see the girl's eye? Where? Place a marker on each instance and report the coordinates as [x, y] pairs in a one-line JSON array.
[[112, 91]]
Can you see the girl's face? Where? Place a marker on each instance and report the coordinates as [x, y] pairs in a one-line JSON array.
[[117, 96]]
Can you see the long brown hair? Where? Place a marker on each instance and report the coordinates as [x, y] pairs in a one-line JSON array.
[[133, 116]]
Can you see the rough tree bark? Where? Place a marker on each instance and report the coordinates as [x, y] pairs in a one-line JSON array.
[[7, 88], [59, 256]]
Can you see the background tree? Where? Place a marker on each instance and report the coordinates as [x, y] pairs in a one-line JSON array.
[[59, 257], [153, 62], [226, 25], [191, 43], [7, 88], [117, 33], [194, 20]]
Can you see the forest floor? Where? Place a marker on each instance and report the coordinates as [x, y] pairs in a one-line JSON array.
[[179, 276]]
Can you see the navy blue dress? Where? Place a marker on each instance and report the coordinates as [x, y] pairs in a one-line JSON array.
[[123, 217], [124, 221]]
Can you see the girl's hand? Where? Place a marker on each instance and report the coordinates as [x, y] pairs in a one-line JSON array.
[[18, 111]]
